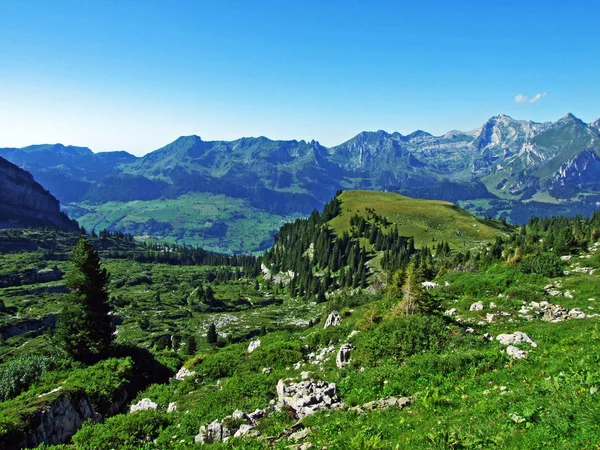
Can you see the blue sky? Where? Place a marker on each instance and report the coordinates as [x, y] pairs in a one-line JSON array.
[[135, 75]]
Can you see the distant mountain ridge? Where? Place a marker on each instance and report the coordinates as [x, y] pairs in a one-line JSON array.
[[25, 203], [507, 163]]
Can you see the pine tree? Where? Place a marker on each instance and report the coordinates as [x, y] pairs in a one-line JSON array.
[[415, 299], [211, 336], [85, 329]]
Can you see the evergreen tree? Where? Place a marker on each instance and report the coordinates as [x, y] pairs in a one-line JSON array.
[[85, 329], [211, 336], [415, 299]]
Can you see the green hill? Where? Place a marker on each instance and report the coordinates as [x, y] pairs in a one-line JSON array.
[[426, 220]]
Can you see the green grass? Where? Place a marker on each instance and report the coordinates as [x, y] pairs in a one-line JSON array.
[[429, 221], [213, 222]]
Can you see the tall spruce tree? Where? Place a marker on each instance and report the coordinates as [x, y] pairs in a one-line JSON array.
[[85, 329]]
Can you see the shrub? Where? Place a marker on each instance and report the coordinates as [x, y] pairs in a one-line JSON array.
[[401, 338], [103, 382], [546, 264], [17, 375], [122, 431]]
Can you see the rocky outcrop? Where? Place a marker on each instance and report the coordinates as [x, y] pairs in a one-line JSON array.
[[515, 338], [307, 397], [22, 326], [25, 203], [31, 276], [59, 421], [239, 424], [253, 345], [333, 320], [143, 405], [183, 373], [343, 356]]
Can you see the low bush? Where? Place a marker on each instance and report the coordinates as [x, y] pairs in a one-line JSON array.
[[546, 264], [16, 376], [123, 431], [398, 339]]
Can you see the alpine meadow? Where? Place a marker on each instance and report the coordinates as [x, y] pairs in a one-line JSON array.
[[396, 289]]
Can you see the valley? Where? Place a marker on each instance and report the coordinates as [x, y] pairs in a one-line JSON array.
[[506, 168], [313, 342]]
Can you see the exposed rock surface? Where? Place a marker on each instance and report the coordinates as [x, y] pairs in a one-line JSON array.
[[22, 326], [25, 203], [343, 355], [333, 320], [59, 421], [253, 345], [183, 373], [515, 338], [143, 405], [307, 397], [477, 306], [516, 352]]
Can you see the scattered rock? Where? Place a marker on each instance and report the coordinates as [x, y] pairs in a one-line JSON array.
[[451, 312], [183, 373], [253, 345], [333, 320], [244, 430], [515, 352], [490, 318], [266, 370], [515, 338], [172, 407], [429, 285], [487, 337], [492, 305], [477, 306], [307, 397], [143, 405], [353, 333], [299, 435], [343, 356], [387, 402], [577, 313]]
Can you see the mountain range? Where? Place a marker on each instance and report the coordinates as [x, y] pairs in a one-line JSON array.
[[506, 167]]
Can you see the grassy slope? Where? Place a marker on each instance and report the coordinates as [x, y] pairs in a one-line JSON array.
[[190, 215], [426, 220]]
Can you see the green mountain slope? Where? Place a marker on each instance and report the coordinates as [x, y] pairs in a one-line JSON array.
[[428, 221]]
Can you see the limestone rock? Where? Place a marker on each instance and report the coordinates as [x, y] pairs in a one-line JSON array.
[[429, 285], [307, 397], [515, 352], [333, 320], [343, 357], [183, 373], [515, 338], [299, 435], [172, 407], [477, 306], [253, 345], [577, 313], [143, 405]]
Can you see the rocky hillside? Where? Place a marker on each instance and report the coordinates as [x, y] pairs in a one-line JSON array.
[[24, 202]]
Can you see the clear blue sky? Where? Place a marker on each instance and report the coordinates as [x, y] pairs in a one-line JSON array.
[[135, 75]]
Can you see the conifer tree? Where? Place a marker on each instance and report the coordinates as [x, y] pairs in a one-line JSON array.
[[415, 299], [211, 336], [85, 329]]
